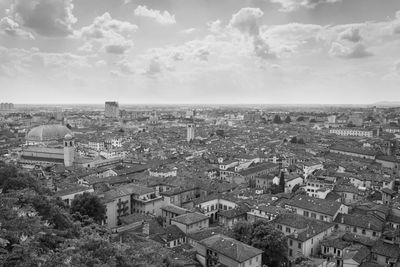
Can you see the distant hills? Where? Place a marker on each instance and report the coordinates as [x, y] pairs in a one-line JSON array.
[[387, 103]]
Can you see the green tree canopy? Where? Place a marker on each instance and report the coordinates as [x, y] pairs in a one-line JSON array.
[[90, 205]]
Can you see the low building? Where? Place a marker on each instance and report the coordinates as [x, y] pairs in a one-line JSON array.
[[363, 225], [190, 222], [227, 252], [315, 208]]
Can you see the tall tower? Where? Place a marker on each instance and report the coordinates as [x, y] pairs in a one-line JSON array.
[[69, 150], [111, 110], [190, 132]]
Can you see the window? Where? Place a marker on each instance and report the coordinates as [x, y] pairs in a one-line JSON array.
[[312, 242], [250, 261], [290, 242], [290, 252], [288, 230], [355, 229], [374, 233], [363, 231], [313, 215], [299, 245], [305, 213]]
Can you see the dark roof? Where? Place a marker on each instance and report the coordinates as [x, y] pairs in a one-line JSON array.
[[387, 250], [258, 168], [233, 213], [315, 204], [363, 221], [335, 243], [175, 209], [231, 248], [306, 227], [206, 233], [190, 218]]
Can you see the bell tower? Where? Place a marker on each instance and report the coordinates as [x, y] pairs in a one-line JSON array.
[[69, 150]]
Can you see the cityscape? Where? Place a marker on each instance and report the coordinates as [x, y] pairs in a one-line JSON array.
[[226, 133]]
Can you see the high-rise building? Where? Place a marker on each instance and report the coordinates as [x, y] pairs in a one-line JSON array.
[[190, 132], [6, 106], [111, 110]]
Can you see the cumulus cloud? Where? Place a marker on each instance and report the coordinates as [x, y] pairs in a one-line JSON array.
[[12, 28], [291, 5], [351, 34], [161, 17], [356, 51], [52, 18], [104, 24], [108, 34], [246, 20]]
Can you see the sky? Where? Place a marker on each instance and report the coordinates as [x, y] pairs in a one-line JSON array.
[[200, 51]]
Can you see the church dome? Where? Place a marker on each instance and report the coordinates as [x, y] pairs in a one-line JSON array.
[[68, 136], [47, 133]]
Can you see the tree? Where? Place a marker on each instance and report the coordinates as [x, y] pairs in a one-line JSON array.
[[264, 236], [90, 205], [288, 119], [295, 188], [313, 121], [277, 119], [300, 141], [301, 118], [282, 182], [293, 140], [275, 189]]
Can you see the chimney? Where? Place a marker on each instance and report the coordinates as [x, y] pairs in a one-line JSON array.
[[342, 219], [146, 228]]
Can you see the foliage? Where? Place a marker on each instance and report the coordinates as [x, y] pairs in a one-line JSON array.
[[90, 205], [264, 236], [295, 188], [299, 119], [288, 119], [277, 119]]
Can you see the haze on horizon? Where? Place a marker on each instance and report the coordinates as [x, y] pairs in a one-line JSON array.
[[199, 51]]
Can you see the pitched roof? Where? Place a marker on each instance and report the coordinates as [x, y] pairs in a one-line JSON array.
[[231, 248], [363, 221], [387, 250], [190, 218], [315, 204]]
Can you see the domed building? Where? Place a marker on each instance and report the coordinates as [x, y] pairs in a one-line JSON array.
[[46, 134], [49, 144]]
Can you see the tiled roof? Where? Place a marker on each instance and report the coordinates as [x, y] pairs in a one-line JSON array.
[[233, 213], [190, 218], [258, 168], [363, 221], [206, 233], [315, 204], [387, 250], [174, 209], [231, 248]]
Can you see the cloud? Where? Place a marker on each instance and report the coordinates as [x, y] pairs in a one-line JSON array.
[[161, 17], [118, 49], [246, 20], [351, 34], [107, 34], [188, 31], [343, 51], [12, 28], [154, 67], [17, 62], [291, 5], [104, 24], [52, 18], [396, 23]]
